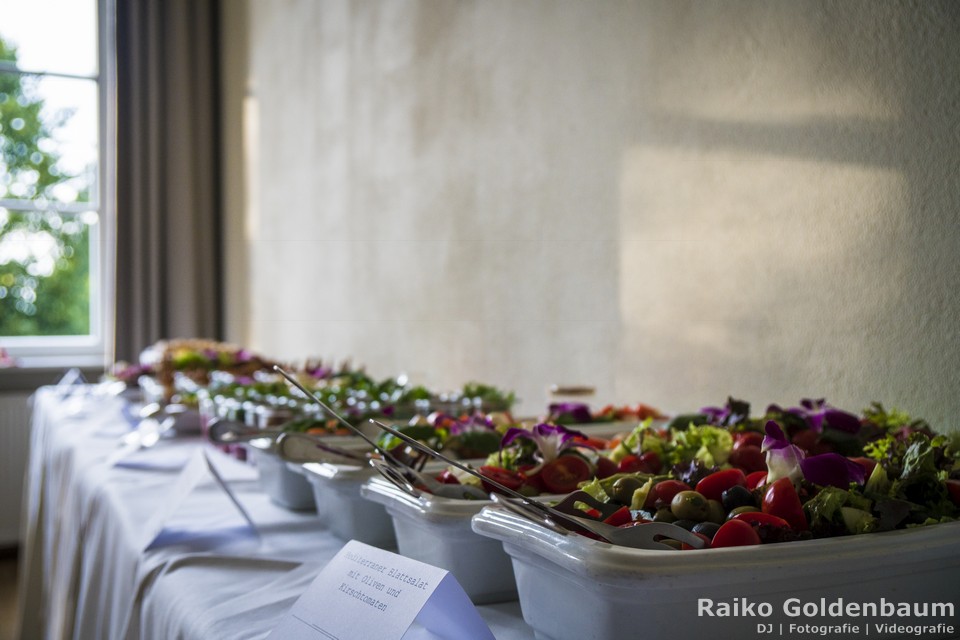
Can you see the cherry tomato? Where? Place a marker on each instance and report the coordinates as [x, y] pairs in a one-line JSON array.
[[746, 438], [735, 533], [634, 523], [706, 543], [713, 486], [953, 487], [593, 442], [806, 439], [645, 411], [510, 479], [532, 481], [749, 458], [652, 461], [781, 500], [867, 465], [565, 473], [447, 477], [441, 420], [608, 410], [757, 517], [606, 467], [629, 464], [620, 517], [756, 479], [648, 462], [665, 490]]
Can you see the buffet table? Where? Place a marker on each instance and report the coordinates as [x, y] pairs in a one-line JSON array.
[[85, 573]]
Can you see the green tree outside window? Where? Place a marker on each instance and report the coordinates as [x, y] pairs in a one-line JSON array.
[[44, 252]]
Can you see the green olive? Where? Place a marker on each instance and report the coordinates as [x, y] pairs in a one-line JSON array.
[[690, 505], [743, 509], [664, 514], [715, 512], [622, 490]]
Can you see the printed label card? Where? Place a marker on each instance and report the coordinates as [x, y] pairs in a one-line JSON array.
[[365, 592]]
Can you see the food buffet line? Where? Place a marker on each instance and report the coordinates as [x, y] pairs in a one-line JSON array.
[[712, 521]]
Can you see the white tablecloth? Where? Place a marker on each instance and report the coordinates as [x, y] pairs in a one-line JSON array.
[[84, 574]]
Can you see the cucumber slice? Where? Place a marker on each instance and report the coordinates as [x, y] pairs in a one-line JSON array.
[[858, 520]]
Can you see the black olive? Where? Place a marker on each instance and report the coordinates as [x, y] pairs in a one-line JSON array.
[[737, 496], [686, 524], [706, 528]]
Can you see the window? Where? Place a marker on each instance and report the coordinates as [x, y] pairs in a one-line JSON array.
[[56, 215]]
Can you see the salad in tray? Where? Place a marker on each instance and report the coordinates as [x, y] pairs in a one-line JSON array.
[[579, 413], [477, 434], [462, 437], [796, 473]]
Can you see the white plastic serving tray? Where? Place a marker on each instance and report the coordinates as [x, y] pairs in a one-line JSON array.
[[572, 587], [335, 490], [436, 530]]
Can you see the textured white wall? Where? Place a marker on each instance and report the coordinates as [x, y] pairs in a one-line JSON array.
[[674, 201]]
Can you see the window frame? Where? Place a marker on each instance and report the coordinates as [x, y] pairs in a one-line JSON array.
[[95, 350]]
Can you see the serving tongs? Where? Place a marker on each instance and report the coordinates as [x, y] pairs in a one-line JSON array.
[[564, 517], [402, 474], [649, 535], [224, 431], [290, 446]]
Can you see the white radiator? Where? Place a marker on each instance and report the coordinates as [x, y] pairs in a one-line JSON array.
[[14, 445]]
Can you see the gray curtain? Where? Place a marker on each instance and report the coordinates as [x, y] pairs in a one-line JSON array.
[[168, 173]]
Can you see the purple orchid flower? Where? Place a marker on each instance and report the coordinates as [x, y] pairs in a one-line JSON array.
[[550, 440], [818, 415], [733, 412], [319, 372], [832, 469], [472, 424], [715, 415], [783, 458], [578, 412]]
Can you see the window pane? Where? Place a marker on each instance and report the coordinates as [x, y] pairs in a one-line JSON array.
[[45, 273], [48, 138], [52, 35]]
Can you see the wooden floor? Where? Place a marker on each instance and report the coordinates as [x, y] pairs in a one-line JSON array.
[[8, 593]]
